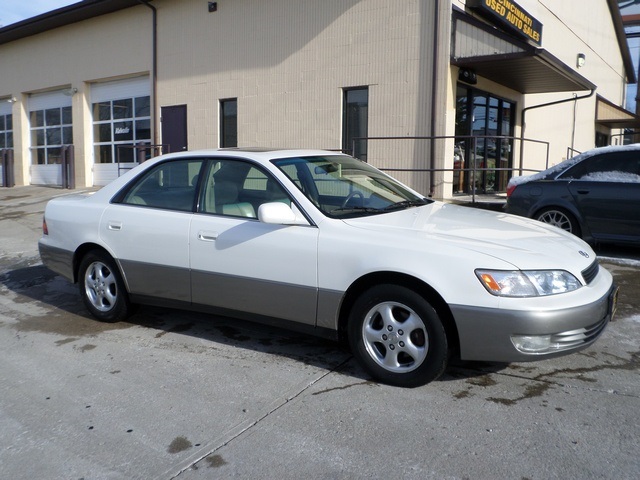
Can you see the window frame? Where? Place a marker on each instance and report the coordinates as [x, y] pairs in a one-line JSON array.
[[133, 120], [43, 125], [349, 127], [228, 123]]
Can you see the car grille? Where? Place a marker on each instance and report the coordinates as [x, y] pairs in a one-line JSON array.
[[581, 336], [592, 272]]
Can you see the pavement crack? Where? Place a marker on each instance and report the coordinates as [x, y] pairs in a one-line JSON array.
[[244, 427]]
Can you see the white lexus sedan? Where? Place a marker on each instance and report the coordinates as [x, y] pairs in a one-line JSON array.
[[321, 242]]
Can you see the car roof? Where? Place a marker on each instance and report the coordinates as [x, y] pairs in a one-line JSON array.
[[253, 153]]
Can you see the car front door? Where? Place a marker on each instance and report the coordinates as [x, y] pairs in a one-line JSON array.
[[239, 263]]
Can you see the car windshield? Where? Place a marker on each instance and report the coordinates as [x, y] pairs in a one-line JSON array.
[[344, 187]]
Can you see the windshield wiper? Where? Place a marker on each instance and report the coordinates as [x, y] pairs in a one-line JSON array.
[[405, 204], [358, 208]]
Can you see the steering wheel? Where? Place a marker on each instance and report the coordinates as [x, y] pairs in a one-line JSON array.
[[355, 193]]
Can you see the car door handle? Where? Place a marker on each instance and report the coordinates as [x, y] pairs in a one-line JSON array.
[[583, 192], [114, 226], [208, 236]]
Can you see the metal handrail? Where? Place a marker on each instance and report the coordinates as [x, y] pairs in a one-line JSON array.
[[154, 149], [474, 139]]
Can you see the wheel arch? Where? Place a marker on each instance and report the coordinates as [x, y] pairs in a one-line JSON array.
[[425, 290], [568, 207], [82, 250]]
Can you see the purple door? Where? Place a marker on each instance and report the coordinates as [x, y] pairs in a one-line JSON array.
[[174, 128]]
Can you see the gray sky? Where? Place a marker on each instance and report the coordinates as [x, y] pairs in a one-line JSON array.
[[12, 11]]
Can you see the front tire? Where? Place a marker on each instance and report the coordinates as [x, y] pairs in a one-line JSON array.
[[397, 336], [102, 289]]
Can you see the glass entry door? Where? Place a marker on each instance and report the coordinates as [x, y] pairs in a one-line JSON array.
[[484, 140]]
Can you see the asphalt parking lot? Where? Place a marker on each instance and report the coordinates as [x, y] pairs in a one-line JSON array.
[[172, 394]]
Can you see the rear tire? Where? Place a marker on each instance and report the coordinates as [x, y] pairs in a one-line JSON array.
[[559, 217], [102, 289], [397, 336]]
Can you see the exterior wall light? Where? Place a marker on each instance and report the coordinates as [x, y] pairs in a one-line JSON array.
[[12, 99], [581, 59], [70, 92], [213, 6]]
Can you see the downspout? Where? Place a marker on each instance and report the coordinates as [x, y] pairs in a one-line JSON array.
[[434, 95], [154, 71], [526, 109], [573, 126]]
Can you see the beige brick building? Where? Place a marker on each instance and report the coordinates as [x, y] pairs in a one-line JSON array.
[[427, 89]]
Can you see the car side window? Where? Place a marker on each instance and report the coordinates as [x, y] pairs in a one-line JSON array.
[[610, 167], [170, 185], [237, 188]]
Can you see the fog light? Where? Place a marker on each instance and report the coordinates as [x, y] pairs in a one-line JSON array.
[[533, 343]]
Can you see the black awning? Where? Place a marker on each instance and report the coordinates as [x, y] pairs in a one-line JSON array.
[[529, 72], [494, 55]]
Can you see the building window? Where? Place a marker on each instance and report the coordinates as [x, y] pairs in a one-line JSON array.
[[118, 126], [229, 123], [50, 130], [602, 139], [6, 131], [355, 122]]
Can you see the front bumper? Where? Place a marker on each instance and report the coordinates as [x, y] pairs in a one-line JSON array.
[[487, 334]]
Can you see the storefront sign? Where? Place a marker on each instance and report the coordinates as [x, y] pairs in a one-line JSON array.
[[122, 131], [512, 16]]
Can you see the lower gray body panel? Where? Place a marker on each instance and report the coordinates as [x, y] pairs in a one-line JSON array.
[[158, 281], [273, 299], [57, 260]]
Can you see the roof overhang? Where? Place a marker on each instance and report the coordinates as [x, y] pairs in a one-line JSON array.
[[613, 116], [618, 25], [60, 17], [499, 57]]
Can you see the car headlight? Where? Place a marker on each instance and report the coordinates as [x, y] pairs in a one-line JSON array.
[[527, 283]]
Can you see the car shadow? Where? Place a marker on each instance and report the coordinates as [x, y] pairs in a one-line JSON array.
[[55, 307]]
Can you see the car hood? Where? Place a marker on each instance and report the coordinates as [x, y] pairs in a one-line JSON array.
[[524, 243]]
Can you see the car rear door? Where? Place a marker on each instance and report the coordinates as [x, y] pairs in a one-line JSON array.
[[610, 209], [147, 230], [606, 190]]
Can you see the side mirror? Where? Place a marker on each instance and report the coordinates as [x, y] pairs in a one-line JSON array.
[[278, 213]]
